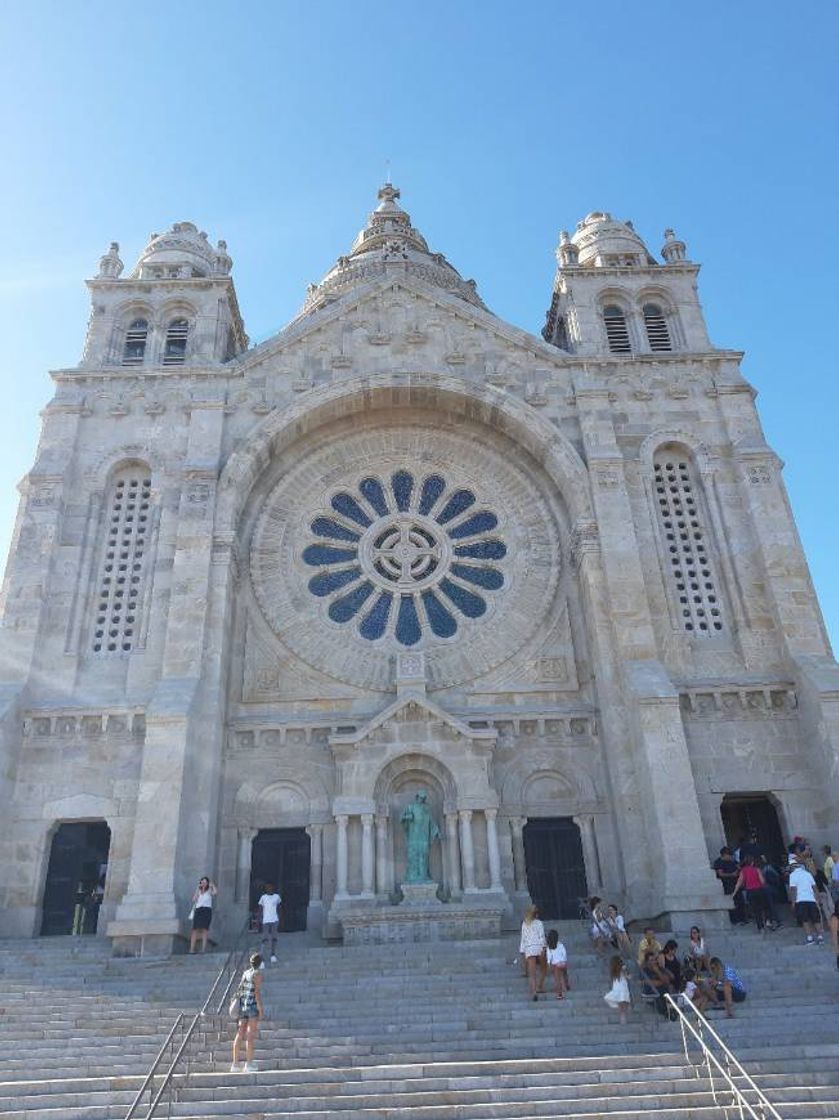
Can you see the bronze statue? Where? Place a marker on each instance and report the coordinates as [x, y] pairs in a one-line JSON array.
[[420, 832]]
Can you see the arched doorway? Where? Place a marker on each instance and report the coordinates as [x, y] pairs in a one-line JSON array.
[[743, 813], [282, 856], [556, 876], [76, 875]]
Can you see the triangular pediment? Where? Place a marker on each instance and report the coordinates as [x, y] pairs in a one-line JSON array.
[[417, 325], [413, 707]]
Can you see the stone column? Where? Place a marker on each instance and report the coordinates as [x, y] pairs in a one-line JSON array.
[[591, 857], [367, 855], [519, 865], [243, 863], [467, 851], [341, 866], [495, 883], [315, 832], [383, 885], [453, 854]]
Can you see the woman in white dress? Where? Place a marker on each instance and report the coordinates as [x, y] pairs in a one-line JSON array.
[[532, 947], [618, 995]]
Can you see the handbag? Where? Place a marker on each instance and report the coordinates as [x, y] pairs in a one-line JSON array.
[[191, 914], [233, 1008]]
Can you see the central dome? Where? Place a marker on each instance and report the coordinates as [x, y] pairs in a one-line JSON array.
[[389, 245]]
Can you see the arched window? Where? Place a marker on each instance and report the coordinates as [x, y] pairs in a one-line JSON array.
[[686, 543], [617, 332], [658, 333], [134, 350], [174, 350], [119, 592]]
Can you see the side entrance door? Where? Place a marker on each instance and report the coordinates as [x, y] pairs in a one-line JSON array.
[[556, 877], [75, 878], [281, 856]]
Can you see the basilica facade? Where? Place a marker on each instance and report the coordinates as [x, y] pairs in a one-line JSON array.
[[260, 597]]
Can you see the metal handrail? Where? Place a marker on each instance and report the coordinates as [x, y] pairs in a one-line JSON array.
[[150, 1075], [762, 1104], [231, 967]]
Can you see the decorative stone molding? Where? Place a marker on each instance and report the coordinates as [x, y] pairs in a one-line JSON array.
[[747, 702], [83, 724], [579, 728]]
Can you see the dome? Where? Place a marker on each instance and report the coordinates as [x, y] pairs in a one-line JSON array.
[[389, 244], [182, 252], [602, 242]]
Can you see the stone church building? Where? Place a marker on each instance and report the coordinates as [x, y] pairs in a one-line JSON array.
[[259, 597]]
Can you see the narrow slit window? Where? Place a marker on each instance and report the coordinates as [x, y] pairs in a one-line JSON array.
[[122, 567], [658, 333], [174, 350], [134, 349], [687, 548], [617, 332]]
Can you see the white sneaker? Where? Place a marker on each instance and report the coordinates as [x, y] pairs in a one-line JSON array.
[[810, 941], [250, 1067], [235, 1067], [273, 960]]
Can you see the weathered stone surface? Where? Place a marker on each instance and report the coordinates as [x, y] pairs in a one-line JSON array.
[[404, 545]]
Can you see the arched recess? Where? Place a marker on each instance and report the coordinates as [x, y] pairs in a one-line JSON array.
[[395, 789], [414, 767], [699, 580], [280, 804], [427, 391]]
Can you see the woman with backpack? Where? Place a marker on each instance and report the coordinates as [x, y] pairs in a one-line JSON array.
[[248, 1014]]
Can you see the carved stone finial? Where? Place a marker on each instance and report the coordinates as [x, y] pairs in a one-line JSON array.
[[110, 266], [388, 194], [673, 250]]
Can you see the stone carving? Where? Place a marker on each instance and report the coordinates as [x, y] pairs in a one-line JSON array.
[[420, 832], [759, 474]]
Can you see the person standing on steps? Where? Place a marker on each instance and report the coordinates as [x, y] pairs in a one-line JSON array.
[[617, 996], [532, 947], [250, 1012], [802, 893], [269, 905], [202, 913]]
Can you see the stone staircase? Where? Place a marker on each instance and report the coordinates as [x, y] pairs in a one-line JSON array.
[[425, 1032]]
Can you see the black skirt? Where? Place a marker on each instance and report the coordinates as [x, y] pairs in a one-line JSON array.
[[202, 917]]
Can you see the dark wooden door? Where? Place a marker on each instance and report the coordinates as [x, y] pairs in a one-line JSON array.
[[556, 877], [75, 877], [281, 856], [744, 812]]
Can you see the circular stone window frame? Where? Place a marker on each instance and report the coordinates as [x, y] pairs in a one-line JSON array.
[[337, 459]]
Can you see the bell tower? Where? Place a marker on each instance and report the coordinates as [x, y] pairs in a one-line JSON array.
[[612, 297], [178, 307]]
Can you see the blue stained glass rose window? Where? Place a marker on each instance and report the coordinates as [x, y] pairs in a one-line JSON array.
[[403, 555]]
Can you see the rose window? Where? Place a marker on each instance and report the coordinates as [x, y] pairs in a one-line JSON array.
[[401, 557]]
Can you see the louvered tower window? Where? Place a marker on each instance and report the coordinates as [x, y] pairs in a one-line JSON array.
[[658, 333], [134, 350], [174, 350], [617, 333], [119, 594], [686, 544]]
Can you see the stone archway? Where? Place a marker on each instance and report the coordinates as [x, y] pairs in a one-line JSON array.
[[400, 780]]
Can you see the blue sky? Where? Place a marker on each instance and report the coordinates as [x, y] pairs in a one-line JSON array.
[[269, 124]]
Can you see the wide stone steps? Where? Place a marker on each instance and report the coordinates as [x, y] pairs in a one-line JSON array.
[[443, 1031]]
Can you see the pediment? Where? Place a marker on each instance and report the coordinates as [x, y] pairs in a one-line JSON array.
[[414, 324], [413, 708]]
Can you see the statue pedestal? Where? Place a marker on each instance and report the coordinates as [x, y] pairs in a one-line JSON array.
[[420, 894], [421, 917]]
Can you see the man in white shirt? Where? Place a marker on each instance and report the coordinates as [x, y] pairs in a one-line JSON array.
[[269, 904], [802, 891]]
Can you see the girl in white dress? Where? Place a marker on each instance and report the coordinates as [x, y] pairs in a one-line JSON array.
[[532, 948], [618, 995], [557, 959]]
